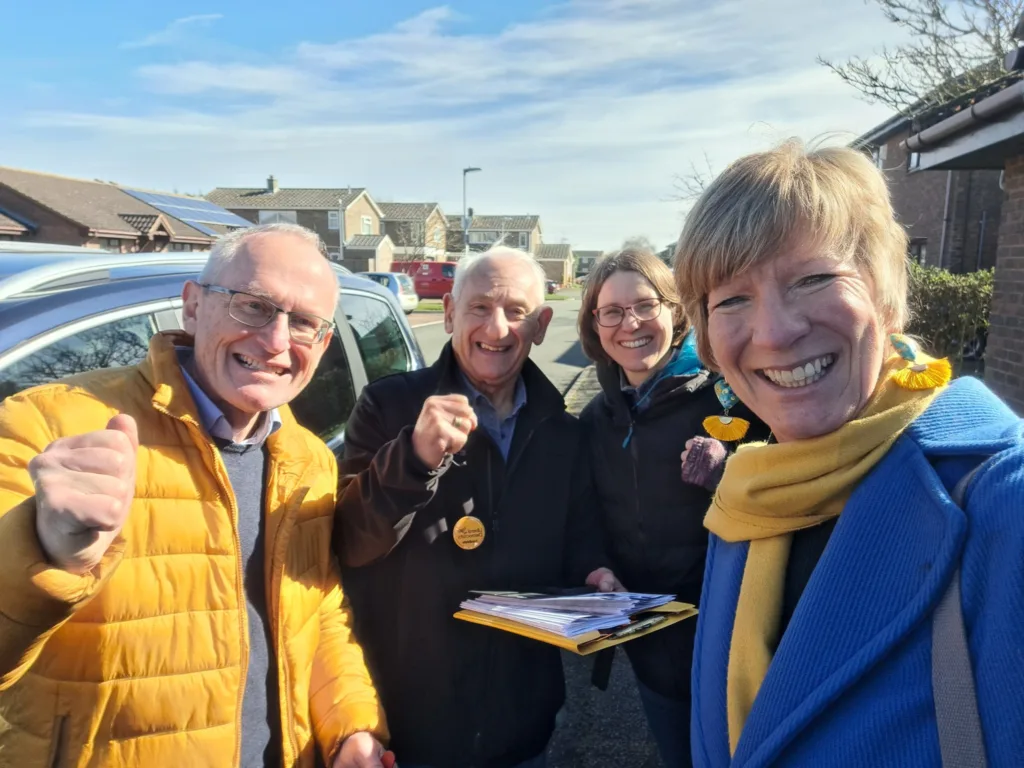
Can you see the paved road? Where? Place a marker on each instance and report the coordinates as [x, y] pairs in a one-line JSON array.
[[596, 729], [560, 356]]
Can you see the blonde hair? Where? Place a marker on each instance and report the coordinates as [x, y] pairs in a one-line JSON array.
[[763, 202], [630, 259]]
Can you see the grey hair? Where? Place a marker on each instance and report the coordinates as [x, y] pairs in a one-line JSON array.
[[470, 264], [226, 248]]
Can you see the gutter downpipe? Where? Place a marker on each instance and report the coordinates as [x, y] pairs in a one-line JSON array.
[[945, 218]]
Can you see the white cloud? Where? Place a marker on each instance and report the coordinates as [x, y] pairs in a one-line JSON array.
[[174, 32], [584, 115]]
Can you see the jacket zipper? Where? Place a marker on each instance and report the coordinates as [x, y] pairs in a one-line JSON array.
[[635, 455]]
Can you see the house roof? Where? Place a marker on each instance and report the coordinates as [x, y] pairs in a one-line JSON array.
[[921, 118], [11, 226], [981, 135], [364, 242], [560, 251], [143, 222], [407, 211], [240, 198], [98, 206], [517, 223]]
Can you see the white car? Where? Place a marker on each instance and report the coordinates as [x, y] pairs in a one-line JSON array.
[[399, 284]]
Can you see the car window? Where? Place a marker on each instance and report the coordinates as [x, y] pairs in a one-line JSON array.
[[379, 279], [405, 281], [324, 405], [379, 335], [124, 341], [448, 270]]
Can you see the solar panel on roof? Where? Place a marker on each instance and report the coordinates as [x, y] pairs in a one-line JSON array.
[[194, 211]]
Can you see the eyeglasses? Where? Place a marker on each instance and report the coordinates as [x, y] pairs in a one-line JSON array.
[[612, 315], [256, 312]]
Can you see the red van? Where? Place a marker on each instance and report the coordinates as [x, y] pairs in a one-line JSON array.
[[433, 279]]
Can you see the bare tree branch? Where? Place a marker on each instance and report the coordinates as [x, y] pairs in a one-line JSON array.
[[956, 47], [690, 185]]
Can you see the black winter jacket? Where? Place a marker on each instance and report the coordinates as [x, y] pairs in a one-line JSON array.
[[458, 694], [654, 521]]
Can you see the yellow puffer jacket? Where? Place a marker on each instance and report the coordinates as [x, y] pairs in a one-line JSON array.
[[143, 661]]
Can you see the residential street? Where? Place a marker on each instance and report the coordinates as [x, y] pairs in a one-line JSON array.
[[596, 728]]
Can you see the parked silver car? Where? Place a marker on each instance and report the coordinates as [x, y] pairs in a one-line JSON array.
[[65, 313]]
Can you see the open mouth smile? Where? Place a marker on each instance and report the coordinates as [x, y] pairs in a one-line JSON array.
[[252, 364], [802, 375], [643, 341]]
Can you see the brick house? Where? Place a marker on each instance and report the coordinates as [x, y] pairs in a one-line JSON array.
[[44, 208], [336, 214], [557, 262], [419, 231], [523, 232], [952, 218], [989, 136], [585, 261]]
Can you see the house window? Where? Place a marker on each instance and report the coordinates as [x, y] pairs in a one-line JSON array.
[[524, 240], [7, 237], [333, 221], [878, 157], [913, 161], [482, 238], [278, 217], [919, 249], [181, 247], [112, 244], [367, 224]]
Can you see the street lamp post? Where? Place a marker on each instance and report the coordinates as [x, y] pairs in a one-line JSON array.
[[465, 218]]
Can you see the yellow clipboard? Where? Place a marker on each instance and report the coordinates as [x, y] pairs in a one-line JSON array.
[[591, 642]]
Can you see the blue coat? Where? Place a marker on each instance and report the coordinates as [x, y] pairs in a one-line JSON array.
[[850, 683]]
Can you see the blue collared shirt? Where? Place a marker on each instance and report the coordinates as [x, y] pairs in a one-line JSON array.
[[500, 430], [213, 419]]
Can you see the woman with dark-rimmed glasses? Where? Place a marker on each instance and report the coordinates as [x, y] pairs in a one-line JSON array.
[[655, 396]]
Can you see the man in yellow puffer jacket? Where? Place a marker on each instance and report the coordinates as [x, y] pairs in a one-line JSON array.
[[167, 591]]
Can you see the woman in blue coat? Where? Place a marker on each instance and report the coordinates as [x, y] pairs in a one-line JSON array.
[[863, 602]]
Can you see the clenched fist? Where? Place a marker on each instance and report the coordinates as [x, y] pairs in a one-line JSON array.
[[443, 427], [84, 489]]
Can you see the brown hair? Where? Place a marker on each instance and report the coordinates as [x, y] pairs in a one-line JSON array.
[[647, 265], [762, 202]]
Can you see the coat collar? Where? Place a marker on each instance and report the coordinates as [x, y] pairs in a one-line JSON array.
[[542, 398], [609, 377], [172, 397], [870, 591]]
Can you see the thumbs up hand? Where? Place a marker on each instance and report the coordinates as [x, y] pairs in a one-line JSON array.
[[84, 489]]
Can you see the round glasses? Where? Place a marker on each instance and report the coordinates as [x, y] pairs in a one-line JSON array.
[[256, 312], [612, 315]]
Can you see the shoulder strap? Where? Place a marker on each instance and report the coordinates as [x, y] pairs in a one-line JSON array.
[[961, 742]]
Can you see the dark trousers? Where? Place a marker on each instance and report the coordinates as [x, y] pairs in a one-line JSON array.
[[669, 720]]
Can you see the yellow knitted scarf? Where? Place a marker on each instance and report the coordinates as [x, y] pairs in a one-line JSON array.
[[769, 491]]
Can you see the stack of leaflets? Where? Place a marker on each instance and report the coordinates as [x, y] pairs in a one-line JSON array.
[[566, 615], [582, 623]]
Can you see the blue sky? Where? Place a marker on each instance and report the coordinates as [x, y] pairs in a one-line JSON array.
[[581, 111]]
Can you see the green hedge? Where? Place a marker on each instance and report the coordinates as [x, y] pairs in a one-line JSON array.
[[948, 310]]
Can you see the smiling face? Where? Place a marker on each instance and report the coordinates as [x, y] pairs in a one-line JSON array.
[[800, 340], [244, 370], [495, 321], [638, 347]]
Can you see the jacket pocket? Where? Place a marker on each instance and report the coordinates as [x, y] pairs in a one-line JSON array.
[[58, 744]]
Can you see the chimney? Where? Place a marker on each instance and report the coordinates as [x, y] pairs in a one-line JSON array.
[[272, 185]]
